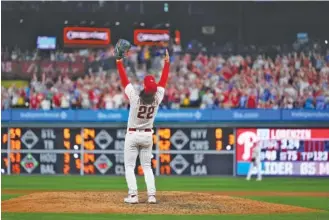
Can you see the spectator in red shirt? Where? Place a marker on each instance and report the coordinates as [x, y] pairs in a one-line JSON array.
[[34, 103], [235, 81], [251, 101], [234, 99], [56, 100]]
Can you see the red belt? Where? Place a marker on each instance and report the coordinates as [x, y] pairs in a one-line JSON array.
[[135, 129]]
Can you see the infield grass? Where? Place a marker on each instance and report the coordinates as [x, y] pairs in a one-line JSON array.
[[98, 183]]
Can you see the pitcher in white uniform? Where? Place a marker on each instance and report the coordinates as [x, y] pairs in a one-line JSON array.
[[139, 141], [255, 162]]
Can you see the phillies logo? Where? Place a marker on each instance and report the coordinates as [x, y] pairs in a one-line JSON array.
[[247, 139]]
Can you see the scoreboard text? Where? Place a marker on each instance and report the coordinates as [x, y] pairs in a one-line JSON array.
[[88, 151], [285, 151]]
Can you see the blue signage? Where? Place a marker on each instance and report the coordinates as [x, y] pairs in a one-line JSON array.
[[305, 115], [41, 115], [242, 168], [102, 115], [186, 115], [5, 115], [181, 115], [246, 115]]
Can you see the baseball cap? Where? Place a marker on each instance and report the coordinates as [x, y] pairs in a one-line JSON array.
[[150, 86]]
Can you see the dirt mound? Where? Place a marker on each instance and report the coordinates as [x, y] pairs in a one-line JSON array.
[[225, 193], [169, 203]]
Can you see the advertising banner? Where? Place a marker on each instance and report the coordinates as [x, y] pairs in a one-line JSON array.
[[25, 69], [102, 115], [184, 115], [41, 115], [151, 36], [46, 42], [77, 68], [5, 115], [28, 67], [49, 66], [285, 151], [6, 67], [247, 115], [17, 83], [86, 36], [305, 115], [180, 115]]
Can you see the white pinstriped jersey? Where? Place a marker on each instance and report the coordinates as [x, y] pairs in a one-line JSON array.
[[141, 116], [256, 152]]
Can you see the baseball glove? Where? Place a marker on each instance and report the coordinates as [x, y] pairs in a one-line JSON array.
[[121, 48]]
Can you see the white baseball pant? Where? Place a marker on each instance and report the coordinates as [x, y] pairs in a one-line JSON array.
[[139, 143], [258, 165]]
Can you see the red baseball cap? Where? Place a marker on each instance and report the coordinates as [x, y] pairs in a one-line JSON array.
[[150, 86]]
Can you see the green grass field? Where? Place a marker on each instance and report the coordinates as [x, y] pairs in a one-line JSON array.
[[106, 183]]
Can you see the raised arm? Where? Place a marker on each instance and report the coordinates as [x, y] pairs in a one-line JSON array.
[[122, 73], [165, 72]]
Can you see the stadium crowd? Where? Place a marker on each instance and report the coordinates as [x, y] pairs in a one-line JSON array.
[[293, 80]]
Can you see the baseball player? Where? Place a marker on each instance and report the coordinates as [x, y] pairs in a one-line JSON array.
[[143, 108], [255, 162]]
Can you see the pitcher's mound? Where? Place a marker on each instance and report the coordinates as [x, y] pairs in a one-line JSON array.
[[168, 203]]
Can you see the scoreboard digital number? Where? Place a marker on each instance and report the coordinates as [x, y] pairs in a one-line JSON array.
[[4, 147], [43, 158], [44, 140], [285, 151], [99, 151], [195, 141]]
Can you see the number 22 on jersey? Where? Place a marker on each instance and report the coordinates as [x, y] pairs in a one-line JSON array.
[[145, 112]]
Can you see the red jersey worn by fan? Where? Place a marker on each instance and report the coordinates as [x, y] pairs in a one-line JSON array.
[[139, 137], [34, 103]]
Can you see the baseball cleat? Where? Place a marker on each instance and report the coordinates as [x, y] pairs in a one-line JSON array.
[[259, 179], [152, 200], [131, 199]]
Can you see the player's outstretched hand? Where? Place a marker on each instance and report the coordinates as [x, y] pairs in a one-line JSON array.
[[121, 48], [167, 57]]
